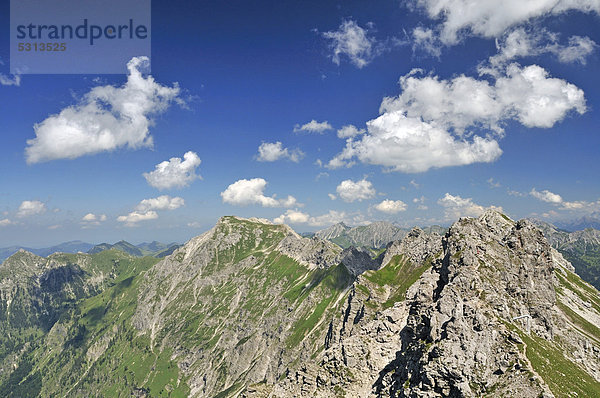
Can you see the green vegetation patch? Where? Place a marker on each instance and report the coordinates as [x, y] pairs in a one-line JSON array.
[[399, 274], [330, 284], [563, 376], [589, 329]]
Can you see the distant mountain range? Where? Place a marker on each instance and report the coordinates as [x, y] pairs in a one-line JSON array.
[[74, 246], [580, 224], [251, 309], [372, 236], [156, 249], [581, 248]]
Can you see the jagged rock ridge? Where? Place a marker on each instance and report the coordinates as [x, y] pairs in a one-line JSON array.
[[252, 309]]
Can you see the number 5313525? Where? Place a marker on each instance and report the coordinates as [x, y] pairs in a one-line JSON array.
[[42, 46]]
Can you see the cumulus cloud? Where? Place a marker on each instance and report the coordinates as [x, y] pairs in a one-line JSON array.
[[273, 151], [163, 202], [146, 209], [391, 206], [459, 18], [579, 206], [313, 127], [31, 208], [174, 173], [329, 218], [350, 191], [91, 219], [526, 94], [5, 80], [292, 217], [546, 196], [5, 222], [349, 131], [353, 42], [105, 119], [132, 219], [582, 206], [409, 145], [251, 192], [430, 124], [455, 207], [521, 42]]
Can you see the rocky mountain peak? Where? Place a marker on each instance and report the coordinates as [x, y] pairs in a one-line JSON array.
[[252, 309], [357, 261], [416, 246], [469, 326], [333, 231], [22, 261]]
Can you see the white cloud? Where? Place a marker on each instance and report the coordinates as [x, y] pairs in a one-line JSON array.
[[349, 131], [429, 124], [579, 206], [163, 202], [512, 192], [30, 208], [519, 42], [391, 206], [91, 219], [582, 206], [409, 145], [272, 151], [577, 51], [455, 207], [329, 218], [425, 39], [313, 127], [546, 196], [134, 217], [5, 222], [248, 192], [354, 42], [526, 94], [332, 196], [292, 217], [350, 191], [106, 118], [5, 80], [420, 202], [146, 209], [174, 173], [459, 18], [343, 159]]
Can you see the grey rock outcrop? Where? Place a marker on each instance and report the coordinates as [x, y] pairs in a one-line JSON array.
[[375, 235], [357, 261], [464, 327], [416, 246]]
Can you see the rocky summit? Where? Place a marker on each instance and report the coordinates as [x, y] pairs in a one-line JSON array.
[[252, 309]]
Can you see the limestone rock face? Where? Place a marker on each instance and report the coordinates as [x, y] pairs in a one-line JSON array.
[[416, 246], [374, 236], [252, 309], [468, 326], [357, 261]]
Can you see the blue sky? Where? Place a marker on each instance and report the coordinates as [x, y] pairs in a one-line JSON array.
[[497, 106]]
